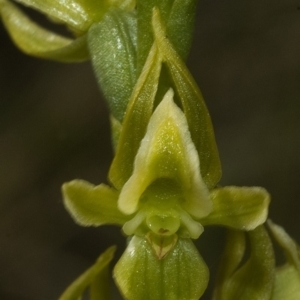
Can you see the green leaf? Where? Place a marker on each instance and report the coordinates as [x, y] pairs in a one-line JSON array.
[[193, 106], [181, 275], [36, 41], [91, 205], [112, 44], [136, 119], [98, 273], [242, 208], [167, 152], [253, 280]]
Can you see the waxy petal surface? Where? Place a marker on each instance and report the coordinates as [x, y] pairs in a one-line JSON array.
[[138, 114], [193, 105], [37, 41], [91, 205], [242, 208], [181, 275]]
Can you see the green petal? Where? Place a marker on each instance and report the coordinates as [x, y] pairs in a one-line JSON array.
[[181, 275], [231, 258], [287, 283], [193, 105], [77, 14], [254, 278], [36, 41], [98, 273], [179, 16], [112, 44], [242, 208], [145, 33], [69, 12], [287, 279], [91, 205], [167, 152], [136, 119], [289, 246]]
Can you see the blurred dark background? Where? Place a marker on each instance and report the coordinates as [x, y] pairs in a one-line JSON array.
[[54, 128]]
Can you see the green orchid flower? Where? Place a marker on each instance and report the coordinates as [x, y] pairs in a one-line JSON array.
[[166, 168], [76, 15], [165, 202], [166, 193]]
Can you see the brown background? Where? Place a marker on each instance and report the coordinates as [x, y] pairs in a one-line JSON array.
[[54, 128]]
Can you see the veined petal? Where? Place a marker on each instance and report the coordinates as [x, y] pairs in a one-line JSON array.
[[179, 16], [136, 119], [242, 208], [78, 15], [145, 33], [193, 105], [37, 41], [91, 205], [69, 12], [167, 152], [180, 275], [98, 273]]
